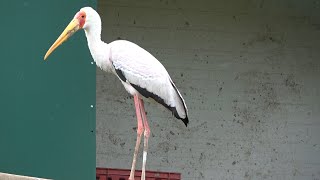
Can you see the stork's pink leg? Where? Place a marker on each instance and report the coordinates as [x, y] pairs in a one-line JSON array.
[[139, 133], [146, 138]]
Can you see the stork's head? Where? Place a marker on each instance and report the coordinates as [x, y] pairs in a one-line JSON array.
[[86, 19]]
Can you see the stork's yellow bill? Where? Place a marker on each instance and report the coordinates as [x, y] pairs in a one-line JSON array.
[[76, 24]]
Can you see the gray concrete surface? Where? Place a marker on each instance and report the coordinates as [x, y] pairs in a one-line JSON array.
[[249, 71], [6, 176]]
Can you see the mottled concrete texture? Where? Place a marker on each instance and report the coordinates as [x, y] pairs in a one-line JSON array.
[[5, 176], [250, 75]]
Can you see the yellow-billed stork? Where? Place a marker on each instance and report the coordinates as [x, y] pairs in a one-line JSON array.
[[141, 74]]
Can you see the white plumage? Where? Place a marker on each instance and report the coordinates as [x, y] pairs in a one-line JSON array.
[[137, 65], [140, 68]]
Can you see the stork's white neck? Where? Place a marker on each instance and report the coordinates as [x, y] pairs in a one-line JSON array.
[[98, 49], [93, 33]]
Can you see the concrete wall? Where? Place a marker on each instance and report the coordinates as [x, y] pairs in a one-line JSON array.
[[249, 72]]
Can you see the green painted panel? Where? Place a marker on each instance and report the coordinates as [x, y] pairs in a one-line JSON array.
[[47, 124]]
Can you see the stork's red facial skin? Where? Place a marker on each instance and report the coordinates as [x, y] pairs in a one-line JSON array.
[[81, 16]]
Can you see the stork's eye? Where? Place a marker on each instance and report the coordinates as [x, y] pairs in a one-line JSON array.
[[82, 16]]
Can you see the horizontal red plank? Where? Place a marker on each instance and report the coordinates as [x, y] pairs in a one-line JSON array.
[[123, 174]]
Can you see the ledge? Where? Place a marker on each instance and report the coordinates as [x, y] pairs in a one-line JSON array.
[[5, 176]]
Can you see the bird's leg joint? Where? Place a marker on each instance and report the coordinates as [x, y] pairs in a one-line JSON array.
[[140, 129], [147, 132]]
